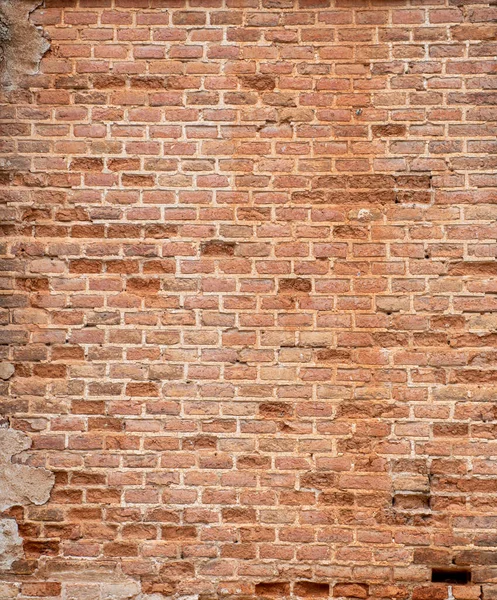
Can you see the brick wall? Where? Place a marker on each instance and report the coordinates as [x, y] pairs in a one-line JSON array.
[[249, 287]]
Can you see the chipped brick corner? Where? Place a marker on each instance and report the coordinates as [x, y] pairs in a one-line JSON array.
[[248, 305]]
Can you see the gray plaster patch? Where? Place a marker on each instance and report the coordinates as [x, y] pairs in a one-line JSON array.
[[20, 484], [22, 44], [10, 543]]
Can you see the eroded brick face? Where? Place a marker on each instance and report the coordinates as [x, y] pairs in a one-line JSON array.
[[249, 286]]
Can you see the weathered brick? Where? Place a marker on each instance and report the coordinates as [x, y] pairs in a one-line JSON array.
[[248, 279]]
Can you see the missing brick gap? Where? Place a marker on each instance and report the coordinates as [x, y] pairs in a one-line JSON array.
[[451, 576]]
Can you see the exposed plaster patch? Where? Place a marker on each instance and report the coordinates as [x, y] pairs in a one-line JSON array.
[[20, 484], [22, 44], [10, 543]]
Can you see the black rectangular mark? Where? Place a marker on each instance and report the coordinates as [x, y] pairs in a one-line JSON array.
[[456, 576]]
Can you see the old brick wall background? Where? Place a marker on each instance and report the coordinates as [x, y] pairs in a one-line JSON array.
[[248, 291]]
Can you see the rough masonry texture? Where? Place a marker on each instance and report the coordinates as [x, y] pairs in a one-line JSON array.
[[249, 302], [22, 44], [19, 484]]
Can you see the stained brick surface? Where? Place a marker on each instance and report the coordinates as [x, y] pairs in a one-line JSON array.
[[249, 286]]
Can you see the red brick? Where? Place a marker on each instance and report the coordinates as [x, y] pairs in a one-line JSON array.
[[254, 280]]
